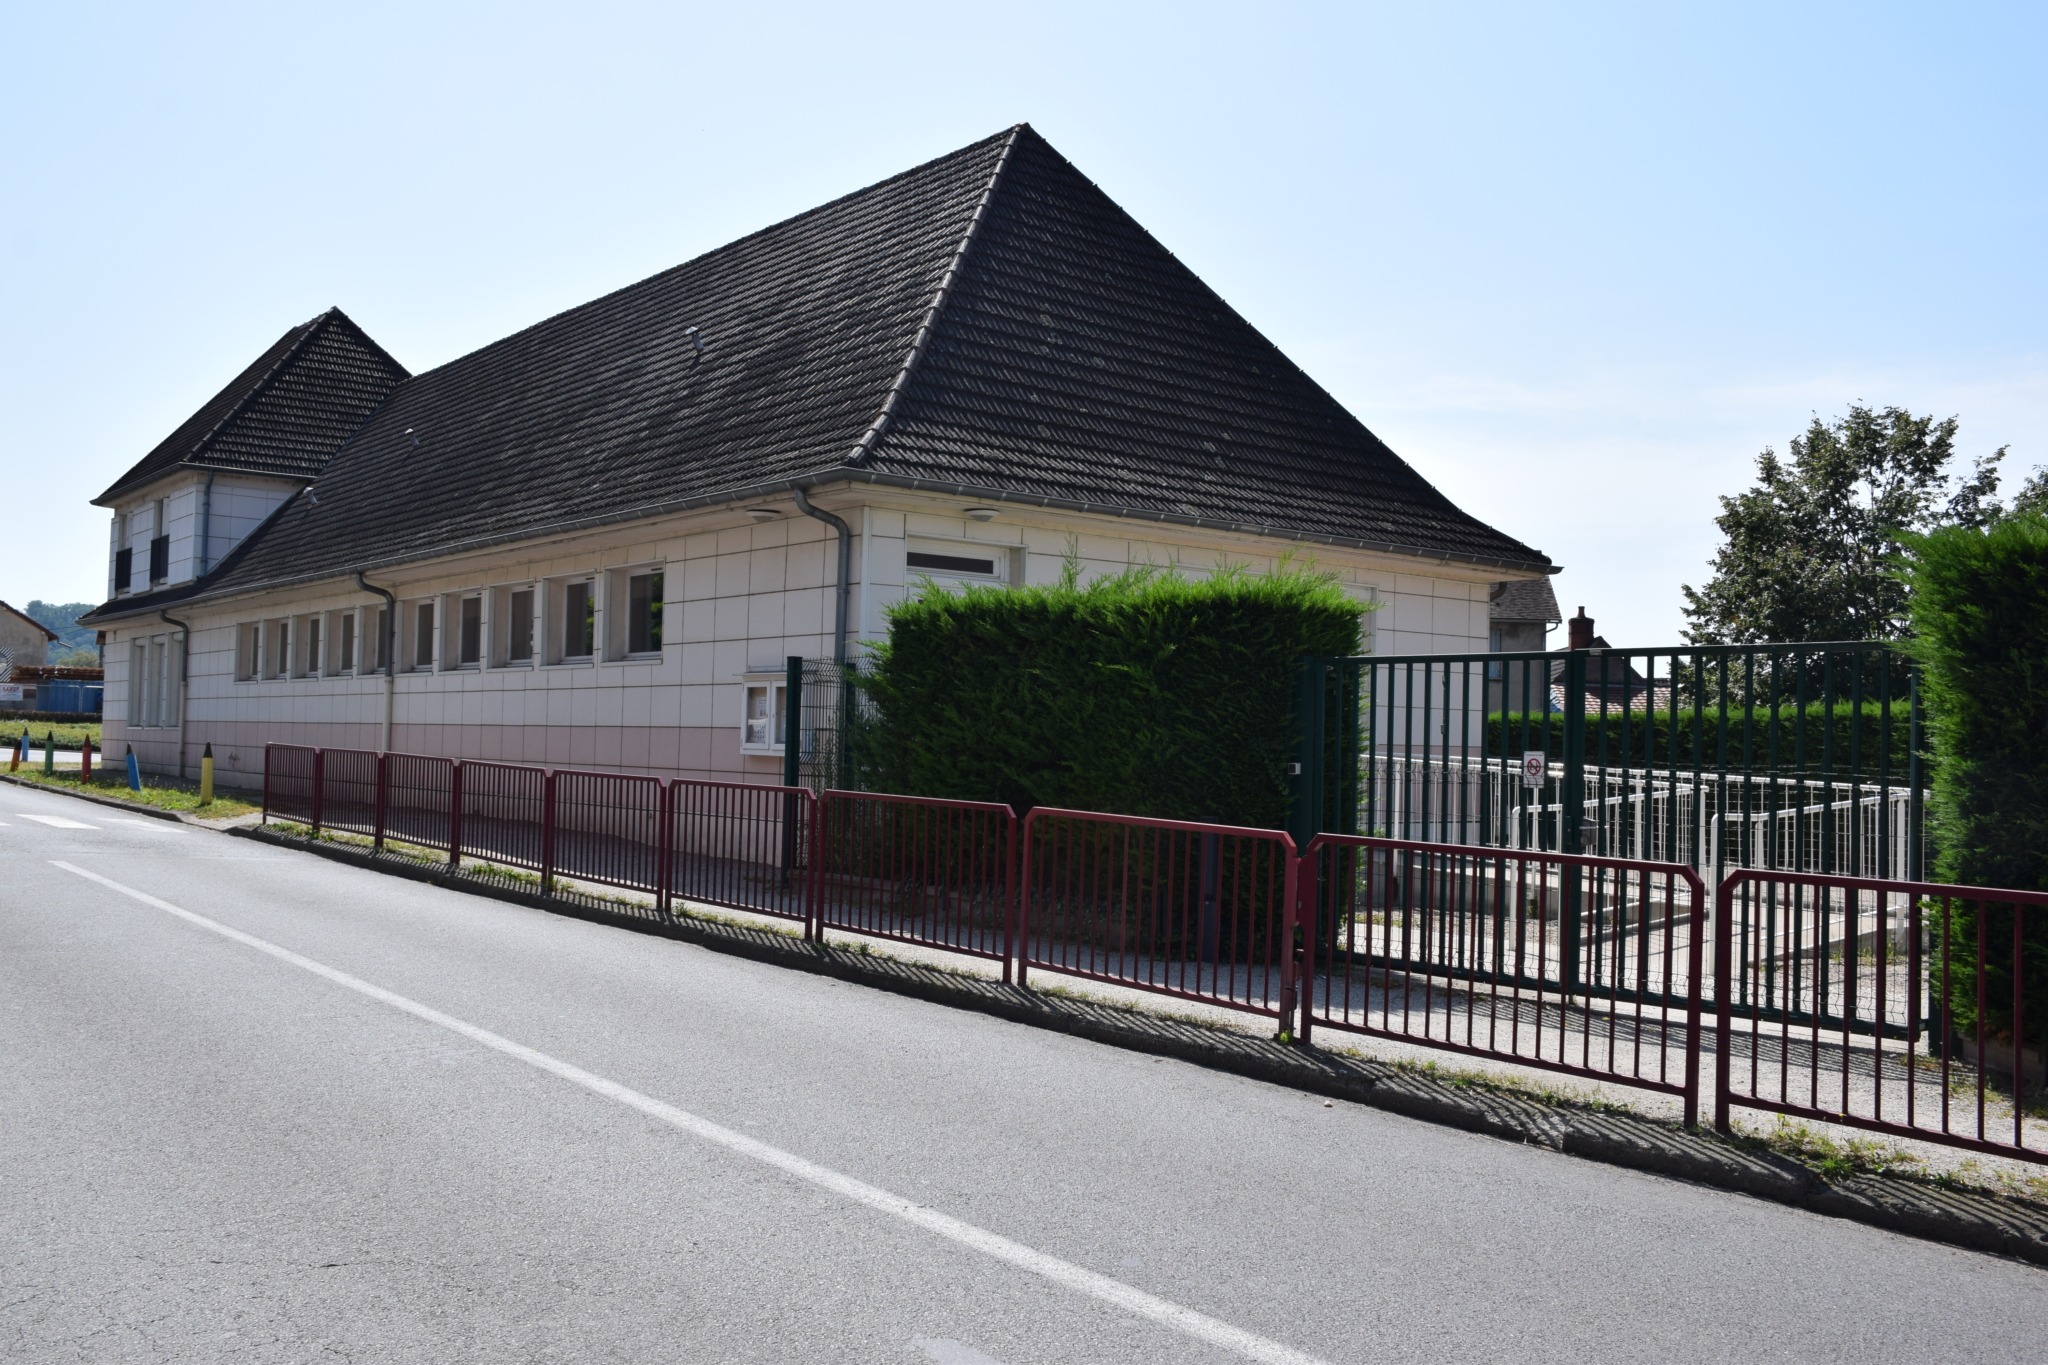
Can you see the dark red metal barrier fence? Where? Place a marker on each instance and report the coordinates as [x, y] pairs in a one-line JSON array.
[[419, 802], [918, 870], [1585, 965], [742, 846], [288, 784], [1203, 912], [504, 810], [1907, 1008], [1902, 1007], [348, 790]]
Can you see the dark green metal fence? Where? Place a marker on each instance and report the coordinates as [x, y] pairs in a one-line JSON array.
[[1800, 758]]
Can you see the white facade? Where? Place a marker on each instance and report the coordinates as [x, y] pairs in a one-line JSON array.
[[202, 514], [736, 598]]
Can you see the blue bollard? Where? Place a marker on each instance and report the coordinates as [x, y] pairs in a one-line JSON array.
[[134, 771]]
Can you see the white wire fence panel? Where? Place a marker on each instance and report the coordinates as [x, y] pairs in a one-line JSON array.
[[1711, 822]]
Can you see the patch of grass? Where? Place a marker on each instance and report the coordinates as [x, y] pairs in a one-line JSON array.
[[1549, 1094], [163, 793], [1835, 1158], [1970, 1174], [70, 733]]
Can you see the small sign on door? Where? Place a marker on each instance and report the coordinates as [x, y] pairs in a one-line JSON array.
[[1535, 767]]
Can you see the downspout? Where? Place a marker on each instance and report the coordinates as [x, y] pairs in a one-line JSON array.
[[184, 674], [205, 524], [390, 651], [838, 524]]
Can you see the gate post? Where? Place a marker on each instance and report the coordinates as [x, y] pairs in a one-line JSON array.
[[1305, 809], [319, 766], [1571, 831], [792, 757]]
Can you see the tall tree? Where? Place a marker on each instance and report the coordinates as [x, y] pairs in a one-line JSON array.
[[1810, 552]]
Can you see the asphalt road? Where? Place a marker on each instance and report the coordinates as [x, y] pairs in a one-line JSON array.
[[255, 1106]]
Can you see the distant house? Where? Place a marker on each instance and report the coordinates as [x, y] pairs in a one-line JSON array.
[[23, 639], [595, 541], [1519, 615]]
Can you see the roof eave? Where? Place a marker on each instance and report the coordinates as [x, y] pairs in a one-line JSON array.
[[823, 479]]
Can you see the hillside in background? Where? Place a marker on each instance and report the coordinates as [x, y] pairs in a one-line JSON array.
[[73, 638]]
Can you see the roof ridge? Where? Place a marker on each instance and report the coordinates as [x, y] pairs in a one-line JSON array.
[[865, 445], [311, 329]]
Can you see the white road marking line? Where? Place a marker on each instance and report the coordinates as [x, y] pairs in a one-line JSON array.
[[56, 821], [1065, 1273]]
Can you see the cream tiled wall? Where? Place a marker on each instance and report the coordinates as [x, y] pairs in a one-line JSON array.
[[740, 598]]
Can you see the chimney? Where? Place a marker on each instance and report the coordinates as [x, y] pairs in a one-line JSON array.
[[1581, 628]]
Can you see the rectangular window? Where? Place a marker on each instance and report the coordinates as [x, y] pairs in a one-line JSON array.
[[944, 559], [422, 636], [643, 613], [383, 646], [309, 647], [138, 669], [579, 620], [278, 665], [981, 565], [345, 642], [764, 722], [124, 568], [248, 648], [159, 559], [470, 632], [519, 627]]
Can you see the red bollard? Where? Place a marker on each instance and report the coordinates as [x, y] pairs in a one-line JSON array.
[[85, 761]]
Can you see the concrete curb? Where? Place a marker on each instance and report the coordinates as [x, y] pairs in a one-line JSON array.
[[1979, 1222]]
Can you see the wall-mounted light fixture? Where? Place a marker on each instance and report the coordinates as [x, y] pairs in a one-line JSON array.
[[982, 513], [760, 514]]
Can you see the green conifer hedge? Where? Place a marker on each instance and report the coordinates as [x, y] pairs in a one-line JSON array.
[[1980, 618], [1140, 693]]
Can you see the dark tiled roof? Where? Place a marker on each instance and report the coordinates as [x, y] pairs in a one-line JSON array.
[[1527, 599], [1080, 361], [989, 322], [286, 413]]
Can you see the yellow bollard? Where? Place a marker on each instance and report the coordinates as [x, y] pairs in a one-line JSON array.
[[206, 776]]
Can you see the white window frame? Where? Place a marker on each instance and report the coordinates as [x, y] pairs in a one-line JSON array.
[[449, 619], [308, 640], [248, 651], [557, 634], [502, 619], [774, 687], [340, 662], [415, 660], [277, 658], [616, 613], [1001, 558]]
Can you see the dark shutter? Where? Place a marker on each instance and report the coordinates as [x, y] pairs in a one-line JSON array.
[[124, 562], [159, 559]]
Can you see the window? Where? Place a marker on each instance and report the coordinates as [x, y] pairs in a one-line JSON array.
[[277, 664], [124, 568], [306, 635], [248, 651], [763, 723], [519, 626], [345, 642], [422, 635], [159, 545], [579, 620], [138, 670], [383, 623], [469, 622], [643, 613], [951, 559]]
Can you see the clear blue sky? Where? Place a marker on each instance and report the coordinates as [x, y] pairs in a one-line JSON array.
[[1578, 264]]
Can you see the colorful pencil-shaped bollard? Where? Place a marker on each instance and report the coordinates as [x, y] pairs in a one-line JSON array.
[[134, 771], [49, 753], [206, 776], [85, 760]]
